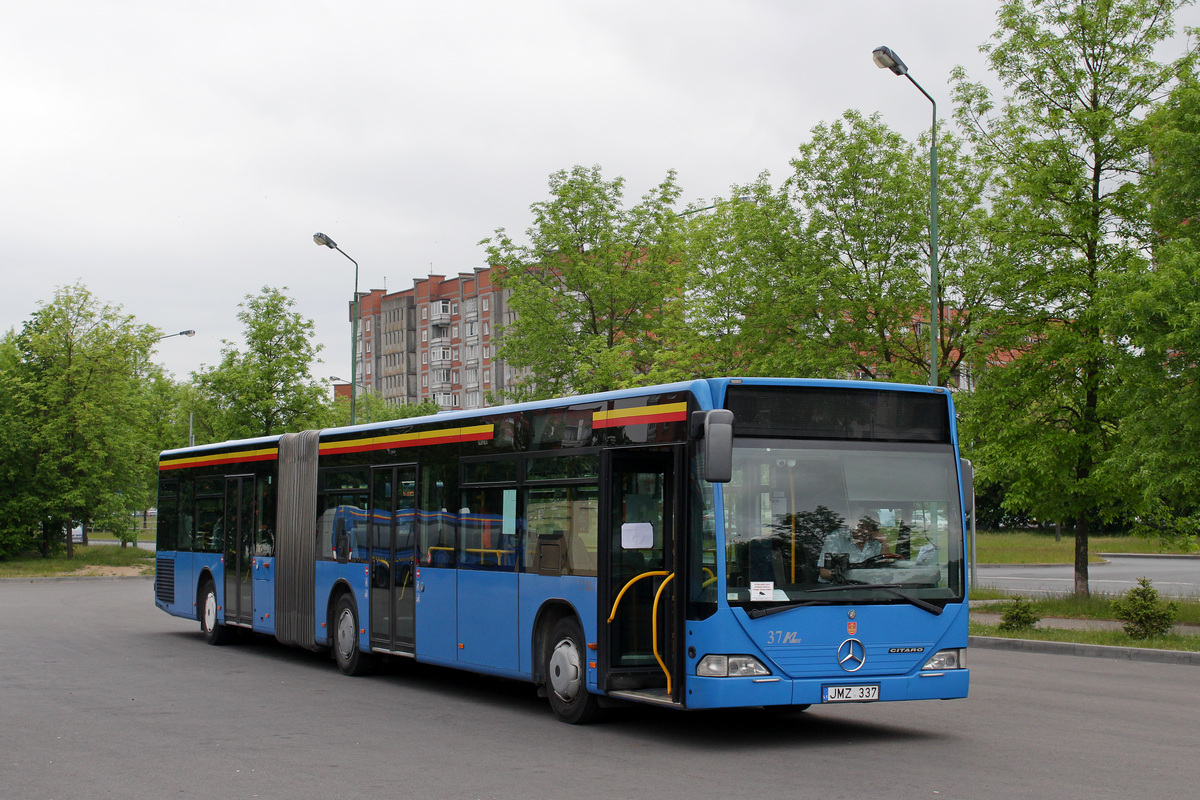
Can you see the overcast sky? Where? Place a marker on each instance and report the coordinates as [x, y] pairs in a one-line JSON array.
[[175, 157]]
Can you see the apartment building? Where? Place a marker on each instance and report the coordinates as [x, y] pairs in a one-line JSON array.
[[435, 341]]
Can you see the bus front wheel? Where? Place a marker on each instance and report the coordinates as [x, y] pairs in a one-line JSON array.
[[350, 659], [214, 632], [566, 674]]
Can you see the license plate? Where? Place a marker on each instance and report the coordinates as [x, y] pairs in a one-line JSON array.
[[865, 693]]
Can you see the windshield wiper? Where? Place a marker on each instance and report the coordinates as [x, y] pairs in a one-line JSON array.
[[890, 588], [755, 613]]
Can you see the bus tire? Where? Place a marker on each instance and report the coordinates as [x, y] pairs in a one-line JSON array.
[[206, 610], [566, 674], [350, 660]]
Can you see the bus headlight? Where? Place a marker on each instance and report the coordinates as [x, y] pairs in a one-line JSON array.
[[948, 659], [712, 666]]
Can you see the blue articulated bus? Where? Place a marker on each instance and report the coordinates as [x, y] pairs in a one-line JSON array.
[[708, 544]]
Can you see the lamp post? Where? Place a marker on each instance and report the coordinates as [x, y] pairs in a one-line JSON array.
[[325, 241], [886, 59], [191, 414], [181, 333]]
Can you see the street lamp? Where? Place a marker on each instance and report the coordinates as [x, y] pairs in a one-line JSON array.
[[181, 333], [191, 414], [325, 241], [886, 59]]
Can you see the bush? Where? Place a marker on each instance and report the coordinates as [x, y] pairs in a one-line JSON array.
[[1144, 615], [1018, 616]]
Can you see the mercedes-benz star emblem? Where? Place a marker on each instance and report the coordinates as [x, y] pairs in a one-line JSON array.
[[852, 655]]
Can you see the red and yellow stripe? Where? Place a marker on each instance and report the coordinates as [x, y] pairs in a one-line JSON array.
[[664, 412], [242, 456], [475, 433]]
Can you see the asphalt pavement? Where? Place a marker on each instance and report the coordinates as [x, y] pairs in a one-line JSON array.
[[1172, 576]]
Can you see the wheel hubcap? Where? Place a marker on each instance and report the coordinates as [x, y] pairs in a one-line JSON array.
[[566, 670], [210, 611], [345, 634]]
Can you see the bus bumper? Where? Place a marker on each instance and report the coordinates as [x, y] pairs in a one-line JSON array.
[[705, 692]]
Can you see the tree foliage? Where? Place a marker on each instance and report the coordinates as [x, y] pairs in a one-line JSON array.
[[75, 424], [859, 287], [1067, 144], [595, 287], [268, 388], [1162, 321]]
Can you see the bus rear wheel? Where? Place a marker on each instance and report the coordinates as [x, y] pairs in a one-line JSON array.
[[206, 609], [350, 660], [566, 674]]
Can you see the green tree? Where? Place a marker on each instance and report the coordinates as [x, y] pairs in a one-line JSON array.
[[268, 388], [595, 287], [1163, 322], [858, 287], [372, 407], [1067, 144], [75, 420], [733, 254]]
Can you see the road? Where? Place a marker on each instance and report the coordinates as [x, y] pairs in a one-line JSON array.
[[1173, 576], [105, 696]]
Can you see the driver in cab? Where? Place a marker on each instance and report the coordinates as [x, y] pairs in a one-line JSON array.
[[864, 543]]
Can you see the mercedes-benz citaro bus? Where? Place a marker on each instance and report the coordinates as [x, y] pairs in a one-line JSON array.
[[705, 544]]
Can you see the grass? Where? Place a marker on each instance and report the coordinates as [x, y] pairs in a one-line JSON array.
[[1036, 547], [1112, 638], [1098, 606], [105, 556]]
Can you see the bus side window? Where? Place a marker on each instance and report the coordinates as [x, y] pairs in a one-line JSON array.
[[561, 535]]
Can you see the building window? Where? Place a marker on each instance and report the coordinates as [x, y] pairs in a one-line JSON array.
[[424, 312], [487, 328], [470, 329], [424, 358], [487, 376], [424, 335], [487, 351], [485, 304], [453, 331], [424, 381], [367, 322]]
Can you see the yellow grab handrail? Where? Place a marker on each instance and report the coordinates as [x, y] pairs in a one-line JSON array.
[[654, 632], [653, 615], [632, 581]]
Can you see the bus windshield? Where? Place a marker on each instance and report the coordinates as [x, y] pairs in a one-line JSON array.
[[835, 522]]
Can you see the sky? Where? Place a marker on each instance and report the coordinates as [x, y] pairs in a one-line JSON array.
[[177, 157]]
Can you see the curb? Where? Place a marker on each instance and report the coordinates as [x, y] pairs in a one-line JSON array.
[[1185, 556], [61, 578], [1087, 650]]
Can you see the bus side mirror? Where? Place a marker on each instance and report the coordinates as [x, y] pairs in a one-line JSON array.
[[716, 427], [968, 486]]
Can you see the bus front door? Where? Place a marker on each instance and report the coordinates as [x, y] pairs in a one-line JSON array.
[[239, 545], [392, 524], [638, 584]]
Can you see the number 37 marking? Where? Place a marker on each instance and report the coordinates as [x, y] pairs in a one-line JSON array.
[[783, 637]]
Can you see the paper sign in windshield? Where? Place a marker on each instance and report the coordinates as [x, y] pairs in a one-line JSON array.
[[637, 535], [762, 590]]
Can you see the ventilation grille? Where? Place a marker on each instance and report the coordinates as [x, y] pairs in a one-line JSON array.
[[164, 580]]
